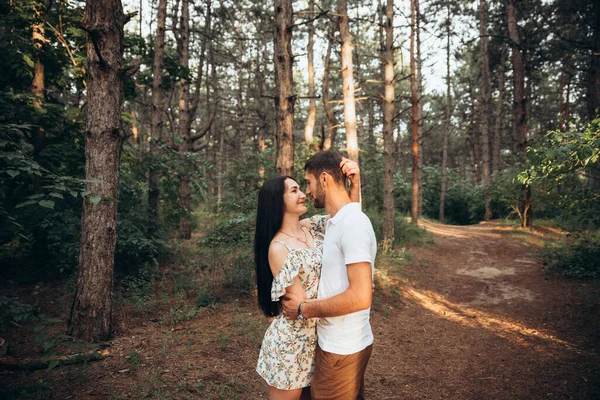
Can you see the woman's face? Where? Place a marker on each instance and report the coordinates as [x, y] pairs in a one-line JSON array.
[[293, 198]]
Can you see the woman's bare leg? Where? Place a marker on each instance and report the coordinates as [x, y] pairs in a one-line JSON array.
[[278, 394]]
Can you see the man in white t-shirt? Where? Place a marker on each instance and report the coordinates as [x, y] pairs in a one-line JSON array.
[[345, 339]]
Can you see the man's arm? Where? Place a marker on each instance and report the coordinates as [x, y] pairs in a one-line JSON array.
[[357, 296]]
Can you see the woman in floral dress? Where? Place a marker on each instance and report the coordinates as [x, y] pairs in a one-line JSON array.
[[288, 254]]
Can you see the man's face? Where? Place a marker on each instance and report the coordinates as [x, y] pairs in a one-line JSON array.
[[314, 190]]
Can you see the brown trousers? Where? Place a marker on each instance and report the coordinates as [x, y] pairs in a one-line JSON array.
[[339, 377]]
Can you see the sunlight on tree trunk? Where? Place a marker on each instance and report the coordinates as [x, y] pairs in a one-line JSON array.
[[332, 128], [348, 82], [285, 97], [312, 109], [414, 100], [388, 128]]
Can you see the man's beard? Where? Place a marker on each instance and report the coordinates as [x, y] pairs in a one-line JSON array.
[[319, 199]]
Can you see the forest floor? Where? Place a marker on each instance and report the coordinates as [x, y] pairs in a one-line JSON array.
[[470, 314]]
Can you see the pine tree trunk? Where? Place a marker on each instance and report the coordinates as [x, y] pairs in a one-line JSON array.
[[420, 109], [185, 226], [38, 83], [348, 82], [91, 312], [447, 121], [157, 114], [520, 116], [496, 160], [332, 128], [284, 115], [312, 109], [388, 128], [485, 106], [262, 103], [414, 99]]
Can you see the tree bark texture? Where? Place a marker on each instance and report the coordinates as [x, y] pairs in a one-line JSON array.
[[520, 119], [309, 128], [348, 82], [447, 122], [91, 312], [332, 123], [420, 100], [520, 114], [414, 100], [38, 83], [388, 127], [496, 144], [285, 98], [157, 112], [485, 93]]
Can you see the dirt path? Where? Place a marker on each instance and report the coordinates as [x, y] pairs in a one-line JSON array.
[[472, 316], [478, 318]]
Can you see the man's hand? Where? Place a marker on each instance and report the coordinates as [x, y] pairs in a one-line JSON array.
[[290, 304], [351, 170]]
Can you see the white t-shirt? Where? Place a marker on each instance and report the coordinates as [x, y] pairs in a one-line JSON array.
[[349, 238]]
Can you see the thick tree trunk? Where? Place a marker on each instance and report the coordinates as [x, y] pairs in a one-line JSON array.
[[414, 100], [312, 109], [91, 312], [284, 115], [496, 160], [447, 121], [157, 114], [348, 82], [485, 91], [388, 127], [332, 128], [520, 115]]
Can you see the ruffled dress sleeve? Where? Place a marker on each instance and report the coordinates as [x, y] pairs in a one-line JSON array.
[[285, 277], [317, 223]]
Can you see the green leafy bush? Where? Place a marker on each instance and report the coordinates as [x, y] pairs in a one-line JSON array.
[[578, 256], [234, 231]]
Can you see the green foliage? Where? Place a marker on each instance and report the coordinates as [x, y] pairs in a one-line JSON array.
[[244, 178], [565, 167], [561, 154], [204, 298], [181, 311], [577, 256], [238, 230], [404, 232], [12, 310]]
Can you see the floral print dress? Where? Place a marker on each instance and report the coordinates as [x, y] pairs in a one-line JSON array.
[[286, 359]]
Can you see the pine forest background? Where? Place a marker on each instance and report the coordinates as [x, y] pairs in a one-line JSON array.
[[134, 137]]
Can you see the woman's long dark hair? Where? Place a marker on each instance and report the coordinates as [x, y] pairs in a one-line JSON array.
[[269, 217]]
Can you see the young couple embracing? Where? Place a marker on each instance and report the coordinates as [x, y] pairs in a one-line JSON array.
[[315, 277]]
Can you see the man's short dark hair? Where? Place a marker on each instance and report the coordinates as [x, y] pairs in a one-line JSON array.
[[326, 161]]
